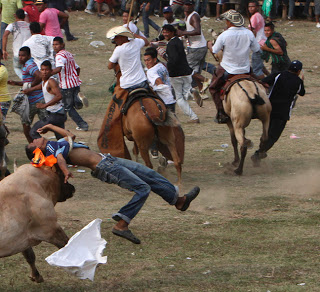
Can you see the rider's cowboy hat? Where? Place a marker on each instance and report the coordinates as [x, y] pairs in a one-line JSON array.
[[234, 17], [119, 30]]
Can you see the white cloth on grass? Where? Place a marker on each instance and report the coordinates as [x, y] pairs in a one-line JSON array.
[[83, 252]]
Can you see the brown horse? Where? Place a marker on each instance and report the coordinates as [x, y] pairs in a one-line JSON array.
[[246, 100], [146, 120]]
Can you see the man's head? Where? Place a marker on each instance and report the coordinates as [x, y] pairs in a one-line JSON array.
[[253, 6], [168, 31], [58, 44], [269, 29], [24, 55], [40, 143], [35, 27], [150, 57], [125, 16], [20, 14], [119, 35], [167, 13], [233, 18], [295, 67], [41, 5], [46, 70], [188, 6]]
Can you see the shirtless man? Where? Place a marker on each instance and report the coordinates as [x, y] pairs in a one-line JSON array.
[[125, 173]]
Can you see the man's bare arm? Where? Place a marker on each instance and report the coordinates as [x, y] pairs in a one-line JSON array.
[[56, 70], [55, 90], [53, 128], [64, 168], [64, 17], [195, 22], [4, 44], [37, 78]]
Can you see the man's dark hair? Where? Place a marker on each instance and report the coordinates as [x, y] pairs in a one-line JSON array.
[[58, 39], [254, 2], [20, 14], [25, 49], [35, 27], [29, 151], [169, 27], [151, 51], [47, 63], [269, 24]]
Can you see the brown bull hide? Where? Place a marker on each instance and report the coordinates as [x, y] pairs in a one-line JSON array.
[[27, 215]]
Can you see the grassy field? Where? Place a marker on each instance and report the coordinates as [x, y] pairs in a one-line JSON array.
[[257, 232]]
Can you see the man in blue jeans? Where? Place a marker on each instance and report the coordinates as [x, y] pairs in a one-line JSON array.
[[146, 7], [113, 170]]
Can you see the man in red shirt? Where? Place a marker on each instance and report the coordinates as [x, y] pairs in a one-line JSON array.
[[31, 10]]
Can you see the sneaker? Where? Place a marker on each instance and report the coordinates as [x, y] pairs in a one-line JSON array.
[[156, 14], [83, 99], [197, 97], [205, 18], [318, 25], [88, 11], [81, 129], [73, 39], [196, 121], [101, 15], [218, 19], [154, 154]]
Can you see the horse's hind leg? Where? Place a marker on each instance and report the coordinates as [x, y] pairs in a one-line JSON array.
[[244, 144], [234, 144], [31, 259]]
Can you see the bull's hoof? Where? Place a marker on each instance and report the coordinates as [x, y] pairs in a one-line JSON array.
[[37, 279], [238, 171]]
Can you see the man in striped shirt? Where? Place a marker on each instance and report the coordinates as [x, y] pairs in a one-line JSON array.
[[69, 81], [31, 75]]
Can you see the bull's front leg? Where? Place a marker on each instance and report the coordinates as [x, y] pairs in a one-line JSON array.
[[31, 259], [58, 238]]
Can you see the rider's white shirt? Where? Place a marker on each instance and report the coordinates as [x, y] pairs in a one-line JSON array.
[[128, 57], [236, 43]]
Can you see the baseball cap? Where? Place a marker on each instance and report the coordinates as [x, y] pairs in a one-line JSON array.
[[189, 2], [167, 9], [295, 66]]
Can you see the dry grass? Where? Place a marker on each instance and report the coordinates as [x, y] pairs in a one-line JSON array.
[[257, 232]]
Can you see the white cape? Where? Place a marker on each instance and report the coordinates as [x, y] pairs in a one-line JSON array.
[[83, 252]]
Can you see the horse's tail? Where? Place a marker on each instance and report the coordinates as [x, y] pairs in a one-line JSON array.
[[171, 120], [257, 100]]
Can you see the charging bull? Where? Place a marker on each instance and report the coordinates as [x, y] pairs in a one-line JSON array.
[[27, 215]]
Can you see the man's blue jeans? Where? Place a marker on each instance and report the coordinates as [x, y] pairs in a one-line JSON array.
[[147, 21], [68, 97], [137, 178]]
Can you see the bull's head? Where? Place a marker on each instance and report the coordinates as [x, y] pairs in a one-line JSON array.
[[66, 192]]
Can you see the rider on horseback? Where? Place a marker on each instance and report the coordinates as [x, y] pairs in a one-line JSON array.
[[236, 43], [127, 55]]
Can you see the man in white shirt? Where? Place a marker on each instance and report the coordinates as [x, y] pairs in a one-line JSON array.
[[127, 55], [20, 33], [236, 42], [132, 26], [158, 77], [40, 45]]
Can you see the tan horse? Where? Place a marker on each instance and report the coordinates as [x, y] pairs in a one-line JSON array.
[[146, 120], [246, 100]]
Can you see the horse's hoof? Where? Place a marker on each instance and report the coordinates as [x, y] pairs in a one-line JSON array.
[[37, 279], [163, 162], [238, 172]]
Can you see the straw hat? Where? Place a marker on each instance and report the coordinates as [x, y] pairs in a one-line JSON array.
[[119, 30], [234, 17]]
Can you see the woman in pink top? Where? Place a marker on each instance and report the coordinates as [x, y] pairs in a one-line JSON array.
[[49, 20]]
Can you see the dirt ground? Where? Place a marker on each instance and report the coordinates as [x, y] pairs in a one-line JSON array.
[[257, 232]]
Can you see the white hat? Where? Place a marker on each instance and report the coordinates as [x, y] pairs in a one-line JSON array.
[[119, 30], [234, 17]]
